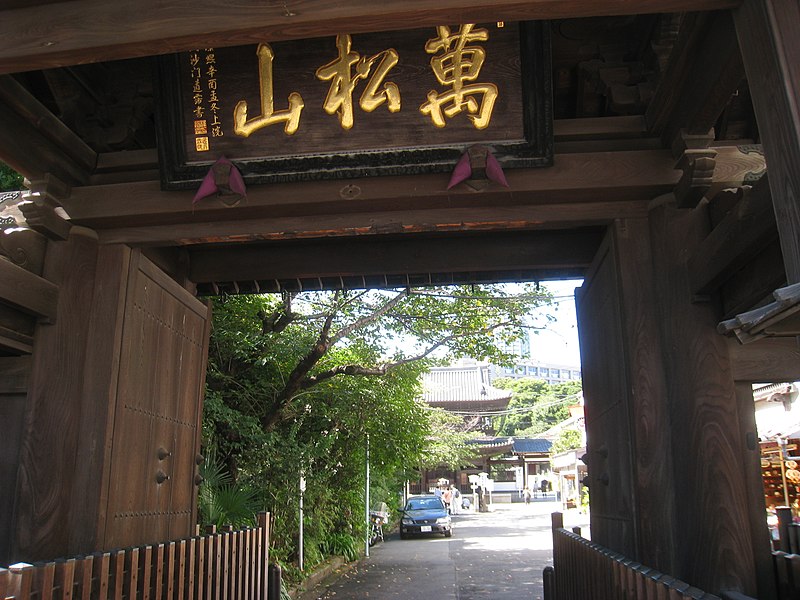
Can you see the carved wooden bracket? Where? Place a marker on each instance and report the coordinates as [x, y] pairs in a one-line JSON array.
[[41, 205], [41, 216], [698, 174], [25, 248], [697, 161]]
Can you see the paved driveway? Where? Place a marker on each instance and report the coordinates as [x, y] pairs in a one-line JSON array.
[[498, 555]]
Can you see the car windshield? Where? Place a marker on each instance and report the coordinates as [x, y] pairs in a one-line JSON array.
[[424, 503]]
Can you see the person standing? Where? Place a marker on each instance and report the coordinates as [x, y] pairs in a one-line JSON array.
[[455, 503], [526, 493], [447, 496]]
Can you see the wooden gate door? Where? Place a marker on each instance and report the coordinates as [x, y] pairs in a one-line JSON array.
[[607, 411], [156, 422]]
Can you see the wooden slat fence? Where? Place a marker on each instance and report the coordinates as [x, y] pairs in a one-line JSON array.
[[224, 565], [786, 556], [584, 570]]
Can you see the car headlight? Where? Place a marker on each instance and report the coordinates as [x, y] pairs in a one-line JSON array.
[[442, 520], [408, 521]]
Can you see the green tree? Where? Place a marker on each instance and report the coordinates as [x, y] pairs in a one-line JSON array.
[[568, 439], [535, 406], [10, 180], [300, 384]]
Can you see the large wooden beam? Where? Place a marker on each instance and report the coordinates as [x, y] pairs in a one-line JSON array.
[[709, 453], [744, 233], [767, 31], [27, 291], [35, 142], [704, 70], [507, 218], [766, 360], [56, 34], [548, 250], [574, 178]]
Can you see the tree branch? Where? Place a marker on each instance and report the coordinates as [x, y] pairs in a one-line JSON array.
[[370, 318], [313, 380], [294, 382]]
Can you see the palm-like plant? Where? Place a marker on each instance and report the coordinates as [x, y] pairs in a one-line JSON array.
[[221, 501]]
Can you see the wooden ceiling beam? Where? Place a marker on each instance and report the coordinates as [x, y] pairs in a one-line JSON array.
[[471, 219], [582, 178], [767, 31], [57, 35], [744, 233], [513, 251], [704, 71], [765, 361], [34, 142]]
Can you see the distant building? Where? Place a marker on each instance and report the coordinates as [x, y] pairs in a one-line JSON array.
[[525, 366], [465, 388], [550, 372], [512, 463]]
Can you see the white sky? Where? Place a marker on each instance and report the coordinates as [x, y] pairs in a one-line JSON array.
[[559, 343]]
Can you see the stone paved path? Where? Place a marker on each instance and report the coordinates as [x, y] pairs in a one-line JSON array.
[[498, 555]]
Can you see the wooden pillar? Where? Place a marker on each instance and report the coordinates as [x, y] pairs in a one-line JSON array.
[[714, 542], [652, 449], [628, 442], [49, 452], [770, 46]]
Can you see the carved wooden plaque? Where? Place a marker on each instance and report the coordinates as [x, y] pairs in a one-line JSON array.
[[356, 105]]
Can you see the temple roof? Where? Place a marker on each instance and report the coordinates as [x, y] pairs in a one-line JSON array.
[[449, 386]]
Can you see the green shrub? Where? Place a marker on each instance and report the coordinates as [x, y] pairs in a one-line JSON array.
[[341, 544]]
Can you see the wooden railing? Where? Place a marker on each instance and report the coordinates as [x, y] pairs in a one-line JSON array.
[[584, 570], [225, 565]]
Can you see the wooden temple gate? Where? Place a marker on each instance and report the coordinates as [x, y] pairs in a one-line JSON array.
[[639, 165]]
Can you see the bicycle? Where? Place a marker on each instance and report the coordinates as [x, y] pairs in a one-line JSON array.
[[377, 519]]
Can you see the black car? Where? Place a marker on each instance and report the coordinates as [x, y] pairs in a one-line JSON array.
[[425, 514]]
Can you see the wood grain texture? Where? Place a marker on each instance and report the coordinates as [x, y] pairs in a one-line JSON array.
[[574, 178], [609, 437], [56, 35], [89, 502], [714, 551], [766, 360], [14, 375], [704, 71], [647, 399], [767, 31], [367, 256], [158, 398], [29, 292], [744, 233], [420, 221], [753, 283], [47, 455]]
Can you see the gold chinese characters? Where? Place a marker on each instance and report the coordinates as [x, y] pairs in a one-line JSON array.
[[205, 100], [340, 95], [456, 64], [291, 115]]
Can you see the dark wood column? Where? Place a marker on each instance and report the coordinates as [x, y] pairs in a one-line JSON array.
[[770, 45], [49, 453], [714, 540], [628, 441]]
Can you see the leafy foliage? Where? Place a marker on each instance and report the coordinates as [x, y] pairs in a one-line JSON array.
[[537, 405], [341, 544], [10, 180], [221, 501], [569, 439], [306, 384]]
